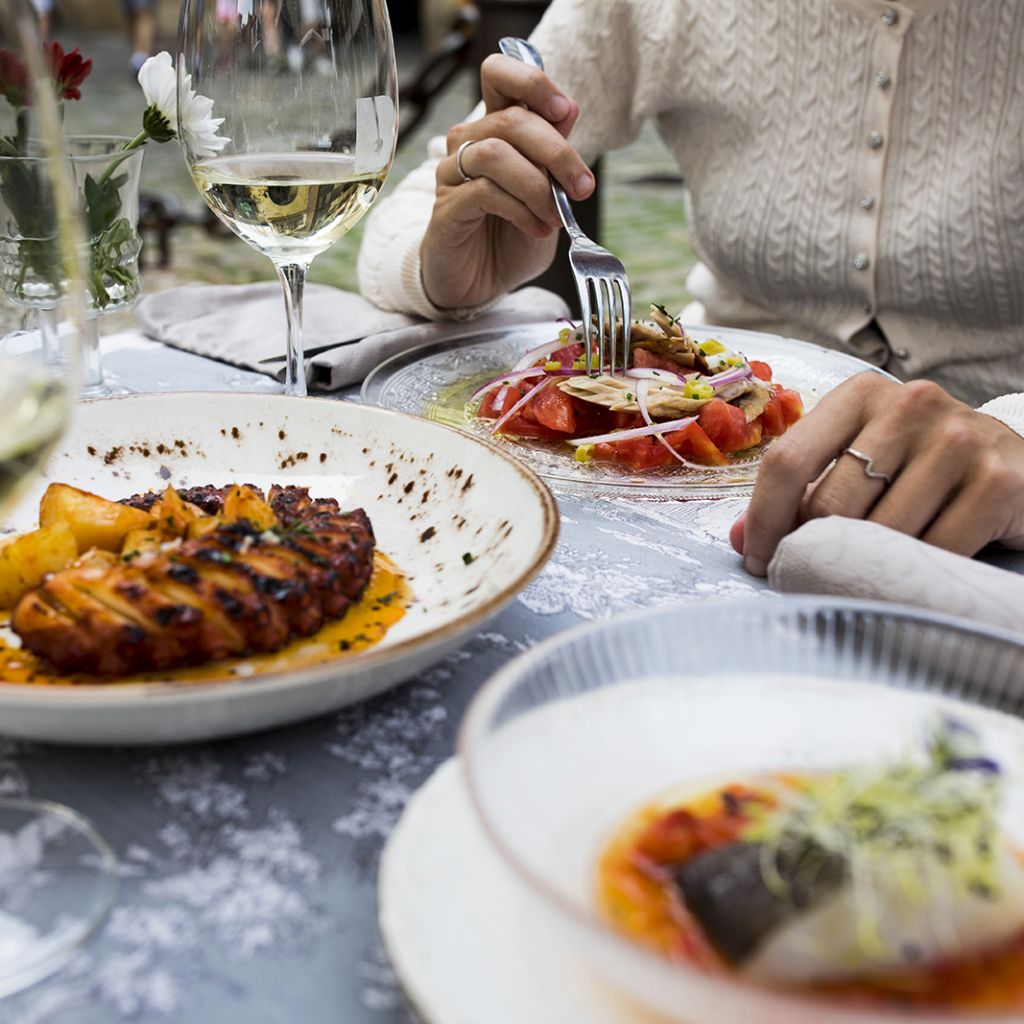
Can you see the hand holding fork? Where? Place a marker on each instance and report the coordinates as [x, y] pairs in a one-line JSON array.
[[495, 217]]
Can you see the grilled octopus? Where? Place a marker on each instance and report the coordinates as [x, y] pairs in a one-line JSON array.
[[234, 591]]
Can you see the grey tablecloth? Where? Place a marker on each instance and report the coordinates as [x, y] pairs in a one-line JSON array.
[[249, 865]]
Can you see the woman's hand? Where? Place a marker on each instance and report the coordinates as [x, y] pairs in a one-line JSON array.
[[957, 475], [489, 235]]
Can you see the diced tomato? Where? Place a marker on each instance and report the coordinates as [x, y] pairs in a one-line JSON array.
[[692, 443], [726, 425], [773, 420], [792, 405], [760, 370], [524, 423], [644, 360], [784, 409], [639, 453], [509, 395], [591, 419], [671, 839], [553, 409], [566, 356], [645, 452], [520, 426]]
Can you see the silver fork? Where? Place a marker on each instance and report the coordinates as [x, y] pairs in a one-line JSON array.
[[593, 266]]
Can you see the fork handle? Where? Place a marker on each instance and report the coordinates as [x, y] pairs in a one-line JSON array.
[[520, 49]]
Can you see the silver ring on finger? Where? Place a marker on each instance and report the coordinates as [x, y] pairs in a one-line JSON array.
[[869, 465], [458, 160]]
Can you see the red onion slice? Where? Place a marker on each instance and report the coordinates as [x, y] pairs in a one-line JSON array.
[[641, 399], [506, 378], [629, 435], [528, 359], [665, 376], [738, 373]]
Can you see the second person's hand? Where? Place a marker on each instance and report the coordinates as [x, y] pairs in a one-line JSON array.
[[491, 234], [907, 456]]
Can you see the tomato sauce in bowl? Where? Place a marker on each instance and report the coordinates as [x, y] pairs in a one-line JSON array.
[[637, 896]]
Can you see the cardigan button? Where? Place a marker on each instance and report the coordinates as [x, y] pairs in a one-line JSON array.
[[866, 202], [901, 353], [861, 261], [890, 17], [865, 308], [883, 79], [875, 140]]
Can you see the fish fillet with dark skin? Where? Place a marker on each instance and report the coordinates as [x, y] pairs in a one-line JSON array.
[[234, 591]]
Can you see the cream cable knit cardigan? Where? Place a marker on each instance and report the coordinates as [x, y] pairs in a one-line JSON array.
[[847, 162]]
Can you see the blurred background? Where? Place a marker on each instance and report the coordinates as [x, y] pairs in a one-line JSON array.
[[638, 214]]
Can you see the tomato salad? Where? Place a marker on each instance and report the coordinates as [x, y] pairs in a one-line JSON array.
[[696, 403]]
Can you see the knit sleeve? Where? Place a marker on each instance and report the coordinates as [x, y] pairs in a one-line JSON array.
[[1008, 409], [593, 56]]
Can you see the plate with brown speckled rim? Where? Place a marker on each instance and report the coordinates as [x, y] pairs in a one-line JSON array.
[[436, 381], [439, 501]]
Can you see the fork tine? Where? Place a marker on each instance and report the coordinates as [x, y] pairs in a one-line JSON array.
[[604, 296], [613, 308], [583, 287], [627, 317]]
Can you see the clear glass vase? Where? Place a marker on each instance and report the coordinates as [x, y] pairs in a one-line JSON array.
[[31, 271]]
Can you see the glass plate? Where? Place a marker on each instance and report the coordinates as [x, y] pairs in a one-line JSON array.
[[436, 381]]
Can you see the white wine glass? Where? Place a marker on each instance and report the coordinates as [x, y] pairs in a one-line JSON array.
[[58, 877], [308, 93]]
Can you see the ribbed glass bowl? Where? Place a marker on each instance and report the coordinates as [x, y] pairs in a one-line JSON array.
[[568, 740]]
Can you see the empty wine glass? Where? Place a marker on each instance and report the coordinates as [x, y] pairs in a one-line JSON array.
[[57, 875], [308, 93]]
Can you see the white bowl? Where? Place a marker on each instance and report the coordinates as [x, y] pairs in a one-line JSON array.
[[432, 493], [564, 743]]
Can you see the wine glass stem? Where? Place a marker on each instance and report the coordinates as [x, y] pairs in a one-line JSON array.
[[92, 368], [49, 328], [293, 280]]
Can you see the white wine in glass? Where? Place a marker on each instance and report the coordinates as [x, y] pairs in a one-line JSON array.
[[58, 877], [308, 93]]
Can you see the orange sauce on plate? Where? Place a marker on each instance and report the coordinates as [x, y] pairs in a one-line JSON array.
[[383, 603], [636, 896]]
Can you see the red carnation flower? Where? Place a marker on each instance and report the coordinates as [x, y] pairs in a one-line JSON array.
[[13, 79], [69, 70]]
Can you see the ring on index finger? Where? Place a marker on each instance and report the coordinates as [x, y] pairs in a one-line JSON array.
[[458, 160]]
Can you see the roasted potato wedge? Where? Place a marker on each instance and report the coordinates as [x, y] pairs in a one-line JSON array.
[[172, 516], [244, 503], [202, 526], [94, 521], [26, 560], [138, 542]]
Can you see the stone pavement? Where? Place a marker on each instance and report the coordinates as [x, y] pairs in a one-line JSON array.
[[643, 223]]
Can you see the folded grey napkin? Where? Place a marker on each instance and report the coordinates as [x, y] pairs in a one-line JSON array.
[[853, 558], [345, 336]]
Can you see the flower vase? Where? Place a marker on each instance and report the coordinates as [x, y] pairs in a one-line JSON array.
[[106, 178]]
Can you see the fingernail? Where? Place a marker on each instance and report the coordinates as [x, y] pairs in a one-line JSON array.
[[560, 108], [583, 183], [755, 566]]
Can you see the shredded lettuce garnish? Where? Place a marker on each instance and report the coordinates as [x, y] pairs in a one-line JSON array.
[[904, 821]]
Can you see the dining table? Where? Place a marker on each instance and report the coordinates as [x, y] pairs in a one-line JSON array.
[[248, 866]]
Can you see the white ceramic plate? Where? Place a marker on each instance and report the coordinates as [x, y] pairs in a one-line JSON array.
[[437, 380], [460, 933], [432, 493]]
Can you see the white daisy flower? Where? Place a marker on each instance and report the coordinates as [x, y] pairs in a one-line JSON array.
[[169, 95]]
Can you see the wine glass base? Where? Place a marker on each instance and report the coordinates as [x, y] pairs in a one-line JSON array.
[[58, 881], [105, 390]]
